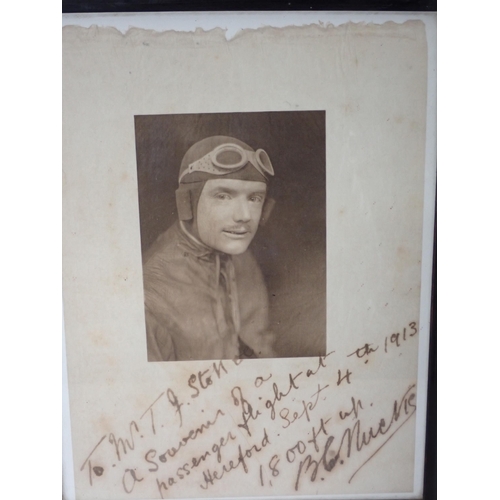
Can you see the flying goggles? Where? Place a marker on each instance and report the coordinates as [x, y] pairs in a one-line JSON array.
[[228, 158]]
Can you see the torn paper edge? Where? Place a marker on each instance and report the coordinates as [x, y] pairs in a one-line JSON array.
[[234, 23]]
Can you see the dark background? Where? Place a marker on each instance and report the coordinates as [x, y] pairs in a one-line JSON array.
[[291, 247], [238, 5], [68, 6]]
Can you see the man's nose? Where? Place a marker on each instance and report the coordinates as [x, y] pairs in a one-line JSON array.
[[241, 211]]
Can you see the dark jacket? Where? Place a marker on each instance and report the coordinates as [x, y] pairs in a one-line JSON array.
[[198, 301]]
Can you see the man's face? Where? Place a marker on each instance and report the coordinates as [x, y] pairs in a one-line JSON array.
[[229, 212]]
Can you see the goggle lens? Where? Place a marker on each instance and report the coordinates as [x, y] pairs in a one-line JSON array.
[[228, 156]]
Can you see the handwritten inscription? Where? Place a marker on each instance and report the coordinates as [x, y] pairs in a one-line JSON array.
[[293, 429]]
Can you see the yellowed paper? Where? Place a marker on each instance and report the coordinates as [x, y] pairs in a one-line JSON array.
[[342, 423]]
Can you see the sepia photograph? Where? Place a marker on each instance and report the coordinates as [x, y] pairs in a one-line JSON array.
[[247, 255], [233, 231]]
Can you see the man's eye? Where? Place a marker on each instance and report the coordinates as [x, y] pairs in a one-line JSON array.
[[257, 199], [222, 196]]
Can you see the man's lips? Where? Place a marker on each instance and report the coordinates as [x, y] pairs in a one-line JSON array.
[[237, 232]]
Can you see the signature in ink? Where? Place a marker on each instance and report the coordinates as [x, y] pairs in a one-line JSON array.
[[355, 438]]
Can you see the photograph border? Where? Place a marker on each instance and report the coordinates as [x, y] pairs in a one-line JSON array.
[[294, 234]]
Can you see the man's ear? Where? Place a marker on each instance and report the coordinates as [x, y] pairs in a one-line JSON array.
[[183, 201], [266, 210]]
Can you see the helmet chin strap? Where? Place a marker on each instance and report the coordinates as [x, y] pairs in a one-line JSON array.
[[192, 237], [227, 271]]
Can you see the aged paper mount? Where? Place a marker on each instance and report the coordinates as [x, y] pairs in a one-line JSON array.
[[345, 423]]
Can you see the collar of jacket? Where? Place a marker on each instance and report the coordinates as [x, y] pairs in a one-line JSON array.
[[191, 244]]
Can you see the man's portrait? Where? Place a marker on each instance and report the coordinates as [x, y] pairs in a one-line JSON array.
[[233, 234]]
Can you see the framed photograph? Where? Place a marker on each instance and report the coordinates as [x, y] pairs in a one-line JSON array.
[[281, 296], [248, 218]]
